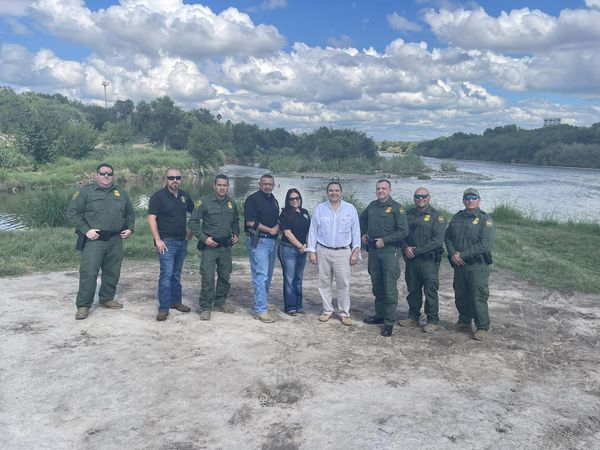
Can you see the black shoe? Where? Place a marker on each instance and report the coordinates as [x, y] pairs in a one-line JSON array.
[[373, 320], [387, 330]]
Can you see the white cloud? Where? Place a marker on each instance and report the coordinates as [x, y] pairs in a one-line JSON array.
[[592, 3], [343, 41], [520, 30], [400, 23], [273, 4], [153, 27], [15, 8]]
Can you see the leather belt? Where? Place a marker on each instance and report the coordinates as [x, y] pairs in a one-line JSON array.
[[335, 248]]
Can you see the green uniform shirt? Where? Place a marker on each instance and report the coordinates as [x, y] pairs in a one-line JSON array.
[[384, 220], [425, 230], [471, 234], [106, 209], [214, 217]]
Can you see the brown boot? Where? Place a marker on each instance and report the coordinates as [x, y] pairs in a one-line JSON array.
[[162, 315], [112, 304], [181, 307]]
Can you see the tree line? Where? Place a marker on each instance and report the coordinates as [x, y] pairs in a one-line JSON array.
[[560, 145], [43, 127]]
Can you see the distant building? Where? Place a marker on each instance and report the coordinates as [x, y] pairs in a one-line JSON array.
[[552, 121]]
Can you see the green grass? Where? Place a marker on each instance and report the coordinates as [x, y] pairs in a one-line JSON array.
[[552, 254], [136, 161], [53, 248], [548, 253]]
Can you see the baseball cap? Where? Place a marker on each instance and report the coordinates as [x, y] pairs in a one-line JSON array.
[[472, 191]]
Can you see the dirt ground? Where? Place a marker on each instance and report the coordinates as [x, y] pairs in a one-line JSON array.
[[121, 380]]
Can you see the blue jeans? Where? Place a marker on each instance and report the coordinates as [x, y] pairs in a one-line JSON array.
[[169, 280], [292, 264], [262, 262]]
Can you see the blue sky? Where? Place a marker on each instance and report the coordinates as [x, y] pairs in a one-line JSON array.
[[398, 69]]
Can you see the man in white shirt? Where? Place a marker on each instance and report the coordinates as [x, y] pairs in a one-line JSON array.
[[334, 245]]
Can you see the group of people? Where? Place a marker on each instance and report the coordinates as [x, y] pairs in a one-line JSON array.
[[331, 239]]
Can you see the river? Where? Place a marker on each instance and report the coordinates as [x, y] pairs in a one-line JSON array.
[[545, 192]]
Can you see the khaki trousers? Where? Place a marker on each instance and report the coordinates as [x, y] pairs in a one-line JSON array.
[[334, 265]]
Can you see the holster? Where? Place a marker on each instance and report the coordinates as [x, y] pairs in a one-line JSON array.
[[81, 240]]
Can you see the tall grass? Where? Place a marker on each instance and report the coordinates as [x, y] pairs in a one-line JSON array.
[[408, 165], [46, 209]]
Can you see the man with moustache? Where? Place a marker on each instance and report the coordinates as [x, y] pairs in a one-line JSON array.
[[261, 214], [383, 224], [215, 222], [167, 218], [469, 239], [334, 245], [423, 248], [103, 217]]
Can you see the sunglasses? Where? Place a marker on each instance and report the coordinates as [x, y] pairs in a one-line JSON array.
[[292, 199], [174, 177], [469, 198], [421, 196], [105, 174]]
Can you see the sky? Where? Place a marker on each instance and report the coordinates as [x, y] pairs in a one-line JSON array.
[[399, 70]]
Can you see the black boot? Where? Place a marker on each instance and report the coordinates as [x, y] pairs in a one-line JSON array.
[[373, 320], [387, 330]]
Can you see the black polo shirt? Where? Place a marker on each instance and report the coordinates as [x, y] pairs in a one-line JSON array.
[[171, 212], [261, 208]]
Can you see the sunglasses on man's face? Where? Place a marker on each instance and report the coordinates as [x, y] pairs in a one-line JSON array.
[[421, 196], [105, 174], [468, 198], [174, 177]]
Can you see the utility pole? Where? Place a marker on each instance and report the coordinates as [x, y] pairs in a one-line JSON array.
[[105, 83]]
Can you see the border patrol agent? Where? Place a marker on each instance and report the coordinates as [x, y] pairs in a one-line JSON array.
[[469, 239], [384, 225], [215, 222], [423, 250], [103, 216]]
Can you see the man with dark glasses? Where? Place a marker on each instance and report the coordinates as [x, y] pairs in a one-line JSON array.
[[102, 215], [167, 218], [469, 239], [423, 248]]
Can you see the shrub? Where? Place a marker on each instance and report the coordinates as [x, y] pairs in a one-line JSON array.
[[10, 156], [46, 209]]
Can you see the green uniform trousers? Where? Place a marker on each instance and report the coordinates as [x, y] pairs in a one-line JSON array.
[[215, 260], [384, 268], [422, 277], [471, 294], [96, 255]]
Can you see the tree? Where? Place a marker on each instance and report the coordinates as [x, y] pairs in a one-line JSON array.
[[165, 116], [123, 110], [204, 144], [35, 138], [120, 132], [77, 140]]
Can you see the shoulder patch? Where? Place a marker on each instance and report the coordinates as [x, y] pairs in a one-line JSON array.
[[75, 195], [388, 209], [441, 219], [489, 223], [401, 210], [198, 203], [117, 193]]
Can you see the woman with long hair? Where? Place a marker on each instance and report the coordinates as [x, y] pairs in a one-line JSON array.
[[294, 222]]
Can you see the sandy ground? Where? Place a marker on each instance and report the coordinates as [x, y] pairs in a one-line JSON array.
[[121, 380]]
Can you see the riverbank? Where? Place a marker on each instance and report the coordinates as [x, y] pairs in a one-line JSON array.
[[122, 379], [551, 254]]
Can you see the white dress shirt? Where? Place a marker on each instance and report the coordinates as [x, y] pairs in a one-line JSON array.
[[333, 228]]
